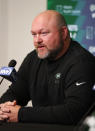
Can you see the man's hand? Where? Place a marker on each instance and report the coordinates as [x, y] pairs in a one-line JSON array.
[[3, 105], [8, 103], [9, 111]]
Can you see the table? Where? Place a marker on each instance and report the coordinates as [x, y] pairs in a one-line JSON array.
[[34, 127]]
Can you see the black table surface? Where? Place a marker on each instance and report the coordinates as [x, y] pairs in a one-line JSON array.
[[35, 127]]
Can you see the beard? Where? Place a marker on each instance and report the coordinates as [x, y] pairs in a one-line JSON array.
[[51, 54]]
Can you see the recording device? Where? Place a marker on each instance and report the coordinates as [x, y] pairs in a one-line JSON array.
[[9, 72]]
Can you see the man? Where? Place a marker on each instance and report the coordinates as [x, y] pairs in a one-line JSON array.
[[58, 76]]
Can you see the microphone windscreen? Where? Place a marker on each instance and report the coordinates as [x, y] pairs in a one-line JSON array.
[[12, 63]]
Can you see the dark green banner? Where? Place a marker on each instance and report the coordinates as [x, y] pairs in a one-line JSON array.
[[80, 17]]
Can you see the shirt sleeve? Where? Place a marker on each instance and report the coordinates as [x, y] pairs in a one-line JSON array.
[[79, 95]]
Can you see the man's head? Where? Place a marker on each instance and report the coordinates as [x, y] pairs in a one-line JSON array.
[[50, 34]]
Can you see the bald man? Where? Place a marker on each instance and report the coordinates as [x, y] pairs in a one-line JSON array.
[[58, 76]]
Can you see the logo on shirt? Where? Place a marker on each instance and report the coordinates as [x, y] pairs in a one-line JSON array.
[[93, 88], [58, 75], [57, 78], [80, 83]]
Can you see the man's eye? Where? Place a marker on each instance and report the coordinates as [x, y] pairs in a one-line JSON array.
[[44, 33], [33, 35]]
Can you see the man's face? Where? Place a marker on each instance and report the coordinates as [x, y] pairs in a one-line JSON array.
[[47, 37]]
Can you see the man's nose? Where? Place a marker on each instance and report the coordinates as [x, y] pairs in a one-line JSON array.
[[38, 39]]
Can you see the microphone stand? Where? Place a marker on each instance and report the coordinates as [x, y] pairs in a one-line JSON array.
[[1, 81]]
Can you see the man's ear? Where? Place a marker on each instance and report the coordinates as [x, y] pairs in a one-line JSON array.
[[64, 32]]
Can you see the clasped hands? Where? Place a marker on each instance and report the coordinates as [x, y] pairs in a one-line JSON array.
[[9, 111]]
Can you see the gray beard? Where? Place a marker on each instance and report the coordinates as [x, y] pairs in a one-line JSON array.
[[52, 54]]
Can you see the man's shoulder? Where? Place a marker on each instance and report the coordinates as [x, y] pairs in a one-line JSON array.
[[77, 56], [31, 57], [79, 51], [32, 53]]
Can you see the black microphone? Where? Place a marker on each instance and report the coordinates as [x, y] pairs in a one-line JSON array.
[[9, 72], [12, 63]]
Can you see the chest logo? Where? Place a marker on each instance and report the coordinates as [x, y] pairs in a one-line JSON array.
[[58, 75], [81, 83]]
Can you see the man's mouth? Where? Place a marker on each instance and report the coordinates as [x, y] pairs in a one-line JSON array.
[[40, 47]]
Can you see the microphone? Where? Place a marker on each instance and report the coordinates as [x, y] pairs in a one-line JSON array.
[[12, 63], [9, 72]]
